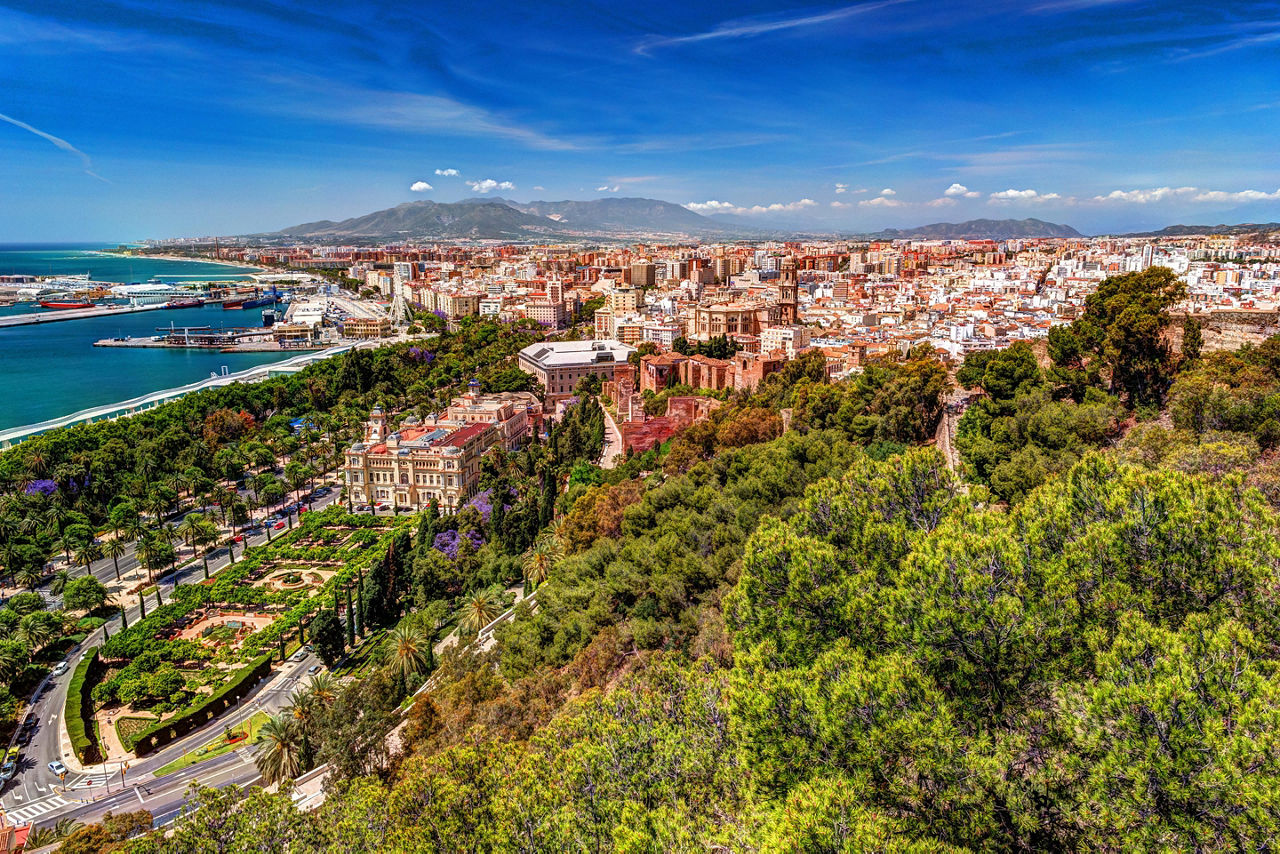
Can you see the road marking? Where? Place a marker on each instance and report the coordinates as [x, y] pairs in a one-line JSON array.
[[90, 782], [38, 808]]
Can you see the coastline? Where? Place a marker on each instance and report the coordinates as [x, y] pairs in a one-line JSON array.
[[188, 259]]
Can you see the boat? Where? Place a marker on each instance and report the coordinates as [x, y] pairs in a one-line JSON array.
[[44, 303], [195, 302], [233, 303], [259, 302]]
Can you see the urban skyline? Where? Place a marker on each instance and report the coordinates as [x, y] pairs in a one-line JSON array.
[[130, 119]]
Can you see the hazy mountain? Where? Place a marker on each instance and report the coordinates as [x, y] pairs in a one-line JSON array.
[[623, 214], [487, 219], [981, 229], [1186, 230], [502, 219]]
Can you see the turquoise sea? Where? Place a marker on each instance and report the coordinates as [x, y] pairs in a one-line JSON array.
[[53, 369]]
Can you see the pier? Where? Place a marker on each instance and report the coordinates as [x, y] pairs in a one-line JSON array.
[[74, 314], [112, 411]]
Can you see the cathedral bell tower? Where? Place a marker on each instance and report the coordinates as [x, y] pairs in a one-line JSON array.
[[787, 293]]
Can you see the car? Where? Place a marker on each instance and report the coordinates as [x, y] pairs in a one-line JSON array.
[[238, 538], [278, 525], [362, 508], [314, 669], [299, 655], [302, 510], [400, 508], [60, 668], [308, 647], [57, 767]]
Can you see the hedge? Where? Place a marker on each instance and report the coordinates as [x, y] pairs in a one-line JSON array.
[[163, 732], [79, 708]]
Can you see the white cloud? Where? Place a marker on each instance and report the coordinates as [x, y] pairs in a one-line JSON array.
[[420, 186], [711, 205], [605, 188], [488, 184], [1142, 197], [943, 202], [448, 173], [1022, 196], [961, 190], [1242, 196], [880, 202], [714, 206], [888, 191], [842, 188], [841, 204], [539, 187]]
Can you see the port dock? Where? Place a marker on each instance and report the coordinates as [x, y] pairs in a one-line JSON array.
[[74, 314]]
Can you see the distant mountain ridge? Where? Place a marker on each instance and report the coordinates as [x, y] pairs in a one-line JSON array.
[[496, 218], [1191, 230], [502, 219], [981, 229]]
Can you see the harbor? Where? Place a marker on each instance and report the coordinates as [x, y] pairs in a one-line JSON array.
[[57, 315]]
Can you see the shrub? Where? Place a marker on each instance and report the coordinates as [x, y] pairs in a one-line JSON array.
[[79, 709]]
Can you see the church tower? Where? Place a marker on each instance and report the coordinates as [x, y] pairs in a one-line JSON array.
[[787, 293]]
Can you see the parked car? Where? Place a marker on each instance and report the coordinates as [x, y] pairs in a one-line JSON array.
[[402, 509], [314, 669], [362, 508], [302, 510], [278, 525], [299, 655], [57, 767]]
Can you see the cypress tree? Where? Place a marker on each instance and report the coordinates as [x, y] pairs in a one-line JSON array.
[[351, 620], [142, 606]]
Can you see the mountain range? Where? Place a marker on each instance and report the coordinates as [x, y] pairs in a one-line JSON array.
[[1187, 230], [504, 219]]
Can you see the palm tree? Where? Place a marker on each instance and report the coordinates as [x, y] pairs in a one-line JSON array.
[[12, 660], [407, 650], [41, 837], [66, 826], [541, 559], [206, 535], [59, 582], [280, 755], [479, 610], [29, 577], [38, 630], [86, 556], [187, 528], [324, 688], [115, 549]]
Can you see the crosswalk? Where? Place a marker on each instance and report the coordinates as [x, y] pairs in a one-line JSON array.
[[35, 809], [90, 782]]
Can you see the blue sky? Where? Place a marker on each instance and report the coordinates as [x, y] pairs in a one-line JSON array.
[[122, 119]]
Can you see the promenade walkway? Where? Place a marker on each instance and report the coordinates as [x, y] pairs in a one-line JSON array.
[[112, 411]]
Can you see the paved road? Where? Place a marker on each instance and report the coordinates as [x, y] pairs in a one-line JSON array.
[[37, 793]]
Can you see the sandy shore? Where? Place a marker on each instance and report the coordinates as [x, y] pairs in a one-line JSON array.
[[197, 259]]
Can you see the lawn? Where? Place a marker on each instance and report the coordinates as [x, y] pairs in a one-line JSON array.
[[127, 727], [361, 660], [218, 746]]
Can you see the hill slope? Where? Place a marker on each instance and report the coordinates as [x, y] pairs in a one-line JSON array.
[[983, 229]]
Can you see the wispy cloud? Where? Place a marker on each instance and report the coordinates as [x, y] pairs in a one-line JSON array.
[[842, 188], [488, 184], [941, 202], [448, 173], [746, 27], [841, 205], [420, 186], [332, 102], [59, 142], [605, 188], [1241, 196]]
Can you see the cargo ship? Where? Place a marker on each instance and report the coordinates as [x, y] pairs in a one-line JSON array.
[[61, 304], [185, 303], [269, 298]]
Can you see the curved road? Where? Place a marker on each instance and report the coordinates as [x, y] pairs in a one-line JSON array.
[[36, 793]]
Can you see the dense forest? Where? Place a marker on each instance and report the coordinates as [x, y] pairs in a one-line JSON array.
[[794, 628]]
